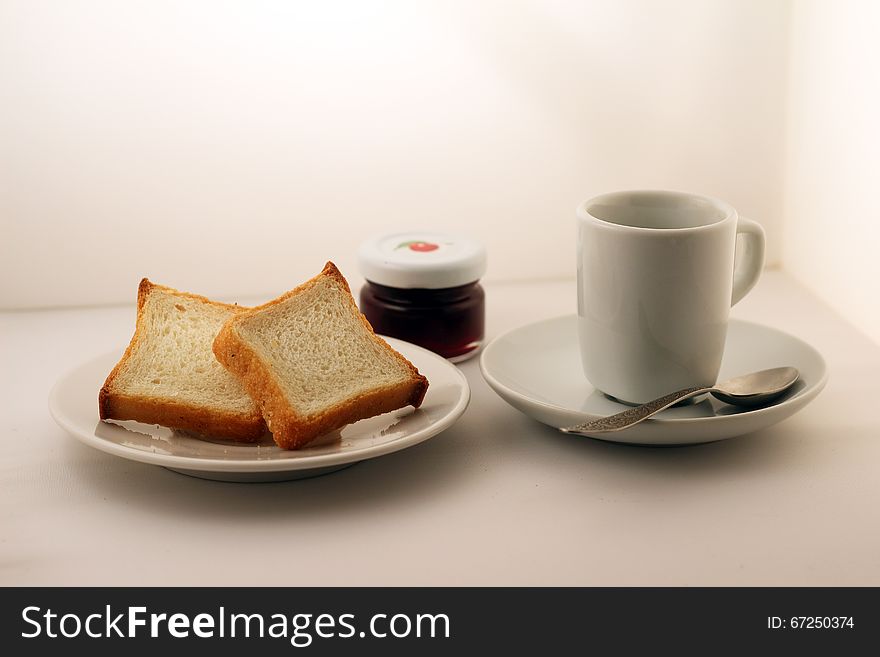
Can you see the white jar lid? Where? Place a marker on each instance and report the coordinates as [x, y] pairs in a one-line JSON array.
[[422, 259]]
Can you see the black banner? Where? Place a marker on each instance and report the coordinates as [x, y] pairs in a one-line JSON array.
[[432, 621]]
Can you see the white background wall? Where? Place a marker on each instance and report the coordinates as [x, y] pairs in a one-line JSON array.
[[230, 148], [832, 211]]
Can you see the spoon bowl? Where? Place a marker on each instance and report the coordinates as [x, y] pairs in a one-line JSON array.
[[756, 389]]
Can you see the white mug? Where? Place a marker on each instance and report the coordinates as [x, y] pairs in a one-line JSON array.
[[656, 281]]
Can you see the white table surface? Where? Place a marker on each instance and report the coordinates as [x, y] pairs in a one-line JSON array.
[[496, 499]]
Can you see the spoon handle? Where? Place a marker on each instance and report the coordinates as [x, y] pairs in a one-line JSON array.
[[631, 416]]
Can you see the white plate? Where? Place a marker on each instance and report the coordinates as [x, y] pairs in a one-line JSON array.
[[537, 369], [73, 403]]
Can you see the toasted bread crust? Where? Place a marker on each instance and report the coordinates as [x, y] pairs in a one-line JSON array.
[[169, 413], [290, 429], [145, 287]]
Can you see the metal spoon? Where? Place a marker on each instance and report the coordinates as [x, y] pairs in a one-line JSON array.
[[749, 390]]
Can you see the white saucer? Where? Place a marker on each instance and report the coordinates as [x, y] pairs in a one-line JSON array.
[[73, 403], [537, 370]]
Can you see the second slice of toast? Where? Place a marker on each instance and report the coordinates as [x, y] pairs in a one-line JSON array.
[[169, 376], [312, 362]]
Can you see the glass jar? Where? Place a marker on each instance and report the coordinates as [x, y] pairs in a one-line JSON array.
[[424, 288]]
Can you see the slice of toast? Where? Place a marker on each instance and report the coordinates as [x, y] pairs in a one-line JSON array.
[[312, 362], [169, 376]]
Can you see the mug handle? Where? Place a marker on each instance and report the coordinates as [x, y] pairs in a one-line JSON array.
[[751, 260]]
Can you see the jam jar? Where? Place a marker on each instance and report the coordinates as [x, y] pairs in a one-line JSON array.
[[423, 287]]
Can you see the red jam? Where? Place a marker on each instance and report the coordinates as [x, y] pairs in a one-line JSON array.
[[448, 321]]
